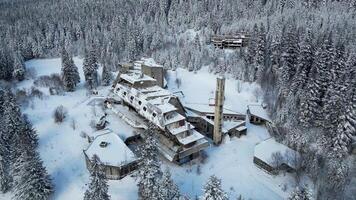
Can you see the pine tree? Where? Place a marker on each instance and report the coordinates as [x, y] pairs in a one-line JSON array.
[[301, 194], [98, 187], [149, 169], [305, 62], [290, 50], [337, 175], [90, 67], [106, 76], [14, 125], [261, 54], [167, 188], [70, 74], [339, 145], [311, 110], [33, 181], [252, 46], [19, 67], [5, 178], [213, 191]]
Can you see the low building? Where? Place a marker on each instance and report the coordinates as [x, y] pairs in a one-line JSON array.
[[117, 159], [208, 111], [230, 41], [257, 114], [202, 117], [272, 156]]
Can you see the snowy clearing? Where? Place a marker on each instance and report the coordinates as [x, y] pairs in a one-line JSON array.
[[61, 145]]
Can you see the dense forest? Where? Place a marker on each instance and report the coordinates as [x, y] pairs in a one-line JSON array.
[[302, 53]]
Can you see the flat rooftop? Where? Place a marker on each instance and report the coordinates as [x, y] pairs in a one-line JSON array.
[[134, 77]]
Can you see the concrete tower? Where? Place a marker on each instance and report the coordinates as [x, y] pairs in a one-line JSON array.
[[219, 104]]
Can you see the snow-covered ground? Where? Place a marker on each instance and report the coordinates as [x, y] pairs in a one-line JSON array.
[[61, 145]]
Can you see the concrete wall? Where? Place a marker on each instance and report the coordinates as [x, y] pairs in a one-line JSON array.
[[154, 72]]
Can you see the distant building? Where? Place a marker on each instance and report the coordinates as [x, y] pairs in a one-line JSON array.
[[230, 41], [178, 141], [257, 114], [272, 156], [117, 159]]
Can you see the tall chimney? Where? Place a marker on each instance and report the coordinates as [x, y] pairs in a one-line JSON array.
[[219, 103]]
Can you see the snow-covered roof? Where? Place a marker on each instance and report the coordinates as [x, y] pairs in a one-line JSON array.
[[166, 108], [176, 118], [150, 62], [134, 77], [93, 134], [206, 108], [181, 129], [266, 148], [241, 128], [195, 135], [228, 124], [115, 153], [259, 111]]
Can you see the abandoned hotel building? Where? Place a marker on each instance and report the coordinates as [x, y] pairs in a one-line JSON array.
[[178, 141], [184, 130]]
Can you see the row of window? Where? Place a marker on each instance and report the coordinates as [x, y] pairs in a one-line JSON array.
[[139, 102]]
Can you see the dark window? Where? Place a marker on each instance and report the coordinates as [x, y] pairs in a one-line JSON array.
[[131, 97], [144, 108], [118, 89], [139, 102], [124, 93], [154, 114]]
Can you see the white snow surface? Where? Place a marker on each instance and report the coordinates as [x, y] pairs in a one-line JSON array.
[[116, 153], [259, 111], [266, 148], [61, 146]]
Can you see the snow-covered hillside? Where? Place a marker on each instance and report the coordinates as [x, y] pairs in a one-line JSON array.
[[61, 145]]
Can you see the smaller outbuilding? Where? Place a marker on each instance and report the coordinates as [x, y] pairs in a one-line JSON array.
[[257, 114], [117, 159], [273, 157]]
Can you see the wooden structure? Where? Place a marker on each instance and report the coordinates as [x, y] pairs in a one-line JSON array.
[[117, 159], [230, 41], [263, 157], [257, 114]]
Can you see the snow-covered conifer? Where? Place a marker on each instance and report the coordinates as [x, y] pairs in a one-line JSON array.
[[302, 193], [213, 191], [33, 181], [167, 188], [261, 53], [70, 74], [90, 66], [98, 186], [106, 76], [19, 67], [5, 178], [149, 170]]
